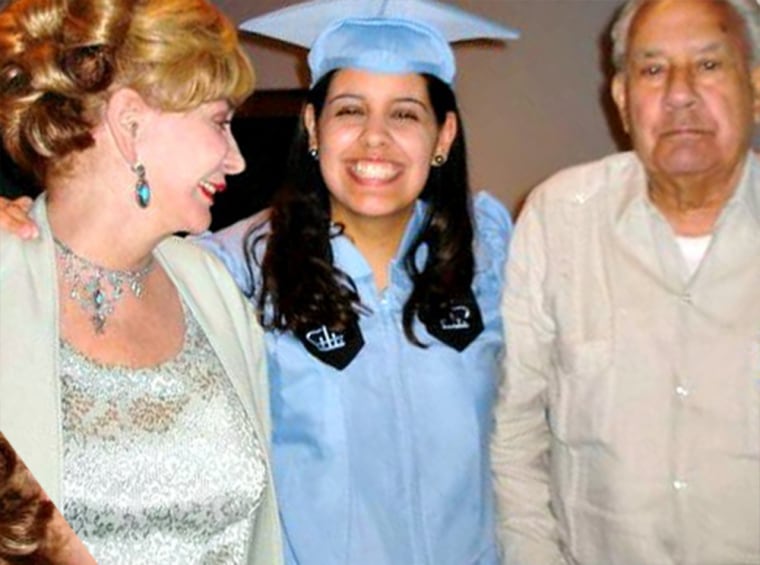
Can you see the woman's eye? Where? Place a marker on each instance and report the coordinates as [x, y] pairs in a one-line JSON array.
[[405, 115], [348, 111]]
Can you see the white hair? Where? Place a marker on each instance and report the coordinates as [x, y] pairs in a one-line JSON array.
[[747, 10]]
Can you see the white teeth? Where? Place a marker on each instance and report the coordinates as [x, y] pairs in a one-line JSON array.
[[372, 170], [208, 187]]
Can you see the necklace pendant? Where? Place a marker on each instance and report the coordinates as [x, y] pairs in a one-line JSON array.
[[99, 322], [96, 289], [98, 299], [136, 288]]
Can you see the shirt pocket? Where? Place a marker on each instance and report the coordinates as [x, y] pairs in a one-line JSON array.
[[583, 393]]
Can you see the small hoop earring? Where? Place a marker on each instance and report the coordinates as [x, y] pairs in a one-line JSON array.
[[142, 188], [439, 160], [314, 153]]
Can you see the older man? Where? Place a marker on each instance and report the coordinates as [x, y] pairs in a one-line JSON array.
[[628, 425]]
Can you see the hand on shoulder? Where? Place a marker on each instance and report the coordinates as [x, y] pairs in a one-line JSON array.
[[14, 217]]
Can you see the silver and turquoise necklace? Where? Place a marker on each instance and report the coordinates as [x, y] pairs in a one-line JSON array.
[[97, 289]]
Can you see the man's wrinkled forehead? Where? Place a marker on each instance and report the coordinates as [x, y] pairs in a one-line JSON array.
[[659, 23]]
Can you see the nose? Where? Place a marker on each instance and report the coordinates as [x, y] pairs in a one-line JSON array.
[[681, 91], [375, 132], [234, 162]]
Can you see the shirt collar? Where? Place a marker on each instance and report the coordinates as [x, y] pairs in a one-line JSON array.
[[634, 198], [747, 193], [350, 260]]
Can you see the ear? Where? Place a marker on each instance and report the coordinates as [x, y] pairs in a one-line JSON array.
[[310, 123], [755, 78], [446, 134], [125, 117], [619, 95]]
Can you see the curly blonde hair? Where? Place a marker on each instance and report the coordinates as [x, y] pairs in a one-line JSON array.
[[24, 515], [61, 59]]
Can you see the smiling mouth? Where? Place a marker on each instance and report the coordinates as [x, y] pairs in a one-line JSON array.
[[374, 170], [211, 188]]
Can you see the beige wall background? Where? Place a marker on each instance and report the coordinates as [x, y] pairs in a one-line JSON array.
[[530, 107]]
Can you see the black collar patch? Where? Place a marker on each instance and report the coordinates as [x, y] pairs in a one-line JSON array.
[[337, 349], [461, 324]]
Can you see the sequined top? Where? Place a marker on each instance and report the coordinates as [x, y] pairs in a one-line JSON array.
[[161, 465]]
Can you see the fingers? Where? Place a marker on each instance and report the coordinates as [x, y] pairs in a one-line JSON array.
[[14, 217]]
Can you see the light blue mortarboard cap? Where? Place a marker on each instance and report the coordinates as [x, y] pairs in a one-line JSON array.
[[385, 36]]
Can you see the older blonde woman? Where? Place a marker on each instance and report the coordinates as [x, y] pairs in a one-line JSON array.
[[132, 377]]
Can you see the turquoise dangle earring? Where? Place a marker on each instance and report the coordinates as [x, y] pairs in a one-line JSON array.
[[142, 188]]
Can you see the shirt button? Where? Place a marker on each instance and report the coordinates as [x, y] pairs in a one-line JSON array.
[[580, 197], [686, 298], [682, 391], [678, 484]]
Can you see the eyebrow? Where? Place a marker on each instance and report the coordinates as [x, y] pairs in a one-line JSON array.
[[359, 97], [412, 100], [650, 53]]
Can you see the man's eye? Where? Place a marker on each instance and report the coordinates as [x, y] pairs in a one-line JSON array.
[[651, 70], [709, 65]]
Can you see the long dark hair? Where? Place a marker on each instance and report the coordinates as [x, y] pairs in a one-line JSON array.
[[301, 288]]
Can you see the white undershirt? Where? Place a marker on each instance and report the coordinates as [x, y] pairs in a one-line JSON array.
[[693, 250]]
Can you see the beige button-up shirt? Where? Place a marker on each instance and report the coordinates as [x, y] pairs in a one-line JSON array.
[[628, 424]]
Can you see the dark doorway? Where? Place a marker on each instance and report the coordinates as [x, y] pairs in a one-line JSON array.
[[264, 127], [14, 183]]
